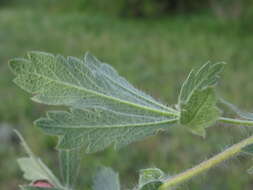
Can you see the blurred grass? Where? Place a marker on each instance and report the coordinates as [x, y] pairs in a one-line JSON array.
[[156, 56]]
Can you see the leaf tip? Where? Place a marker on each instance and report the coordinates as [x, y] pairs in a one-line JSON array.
[[32, 53], [200, 132], [16, 65]]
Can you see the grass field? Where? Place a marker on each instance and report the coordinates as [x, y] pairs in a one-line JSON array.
[[156, 56]]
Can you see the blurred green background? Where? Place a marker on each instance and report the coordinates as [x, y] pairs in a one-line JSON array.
[[154, 44]]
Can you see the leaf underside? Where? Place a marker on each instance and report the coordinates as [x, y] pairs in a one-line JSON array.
[[104, 107], [32, 170], [70, 165], [106, 179], [197, 99], [97, 128]]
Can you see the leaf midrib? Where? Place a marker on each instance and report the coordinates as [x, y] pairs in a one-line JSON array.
[[198, 109], [107, 97], [137, 95], [114, 126], [129, 90]]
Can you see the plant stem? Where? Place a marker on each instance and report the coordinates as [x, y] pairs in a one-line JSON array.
[[205, 165], [247, 123]]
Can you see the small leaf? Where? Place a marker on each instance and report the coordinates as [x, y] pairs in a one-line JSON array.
[[106, 179], [240, 113], [69, 165], [150, 179], [34, 169], [200, 111], [150, 174], [197, 99], [206, 76], [250, 171], [104, 107]]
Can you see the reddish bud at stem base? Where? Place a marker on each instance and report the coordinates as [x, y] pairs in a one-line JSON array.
[[42, 183]]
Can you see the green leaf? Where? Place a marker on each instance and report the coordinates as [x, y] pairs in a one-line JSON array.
[[34, 169], [150, 179], [37, 188], [197, 99], [106, 179], [98, 128], [200, 111], [69, 165], [250, 171], [79, 83], [206, 76], [105, 108]]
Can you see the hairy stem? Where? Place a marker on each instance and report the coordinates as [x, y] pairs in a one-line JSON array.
[[205, 165], [247, 123]]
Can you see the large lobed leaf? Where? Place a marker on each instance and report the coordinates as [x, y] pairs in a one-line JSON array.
[[98, 128], [105, 108], [197, 99], [78, 83]]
